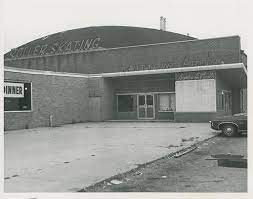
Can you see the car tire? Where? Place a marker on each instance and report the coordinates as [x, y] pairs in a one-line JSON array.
[[229, 130]]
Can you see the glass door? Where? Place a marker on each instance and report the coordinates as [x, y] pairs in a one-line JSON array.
[[141, 106], [149, 106], [146, 106]]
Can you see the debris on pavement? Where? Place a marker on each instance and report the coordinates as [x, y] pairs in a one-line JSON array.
[[228, 155], [229, 160], [171, 145], [116, 182], [236, 163], [225, 156], [138, 173], [183, 152], [190, 173], [186, 140]]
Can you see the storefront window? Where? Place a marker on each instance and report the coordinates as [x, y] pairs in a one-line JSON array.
[[224, 100], [125, 103], [17, 96], [167, 102]]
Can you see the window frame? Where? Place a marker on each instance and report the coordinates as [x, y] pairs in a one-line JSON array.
[[222, 106], [160, 111], [24, 82], [118, 103]]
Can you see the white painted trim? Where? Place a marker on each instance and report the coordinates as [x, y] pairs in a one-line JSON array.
[[245, 70], [130, 73], [41, 72], [174, 70], [31, 96], [124, 47], [27, 111], [164, 92], [228, 91], [143, 93], [166, 111]]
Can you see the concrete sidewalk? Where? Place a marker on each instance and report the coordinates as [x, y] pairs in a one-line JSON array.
[[71, 157]]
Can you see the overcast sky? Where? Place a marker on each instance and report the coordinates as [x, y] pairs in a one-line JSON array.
[[26, 20]]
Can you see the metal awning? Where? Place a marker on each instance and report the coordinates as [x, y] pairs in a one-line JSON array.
[[236, 78], [239, 66]]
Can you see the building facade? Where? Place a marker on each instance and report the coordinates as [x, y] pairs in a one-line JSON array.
[[123, 73]]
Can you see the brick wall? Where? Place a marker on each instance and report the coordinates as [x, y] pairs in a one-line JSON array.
[[64, 97], [108, 105]]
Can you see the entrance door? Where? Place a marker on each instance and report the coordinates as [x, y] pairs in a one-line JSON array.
[[146, 106]]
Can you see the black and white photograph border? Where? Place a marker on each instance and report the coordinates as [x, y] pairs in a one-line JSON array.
[[125, 99]]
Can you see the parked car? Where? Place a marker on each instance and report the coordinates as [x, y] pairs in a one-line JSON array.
[[230, 125]]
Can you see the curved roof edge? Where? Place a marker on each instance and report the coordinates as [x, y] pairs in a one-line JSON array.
[[94, 37]]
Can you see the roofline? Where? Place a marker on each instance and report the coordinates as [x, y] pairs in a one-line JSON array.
[[130, 73], [124, 47], [80, 28]]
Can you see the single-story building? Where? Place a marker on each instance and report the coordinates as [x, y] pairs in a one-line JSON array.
[[123, 73]]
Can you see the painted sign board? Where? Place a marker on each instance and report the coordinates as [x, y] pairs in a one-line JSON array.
[[13, 90]]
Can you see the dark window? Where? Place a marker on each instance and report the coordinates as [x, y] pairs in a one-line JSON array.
[[141, 100], [224, 100], [125, 103], [149, 99], [14, 103]]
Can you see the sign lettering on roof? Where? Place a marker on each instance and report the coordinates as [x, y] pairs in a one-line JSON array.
[[210, 58], [56, 48]]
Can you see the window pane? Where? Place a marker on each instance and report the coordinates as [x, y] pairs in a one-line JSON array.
[[149, 99], [164, 102], [167, 102], [125, 103], [141, 99], [224, 100], [14, 101]]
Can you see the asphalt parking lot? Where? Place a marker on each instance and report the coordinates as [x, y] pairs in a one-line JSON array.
[[71, 157], [195, 171]]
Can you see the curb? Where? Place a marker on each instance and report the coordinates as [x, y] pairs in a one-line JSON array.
[[177, 154]]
